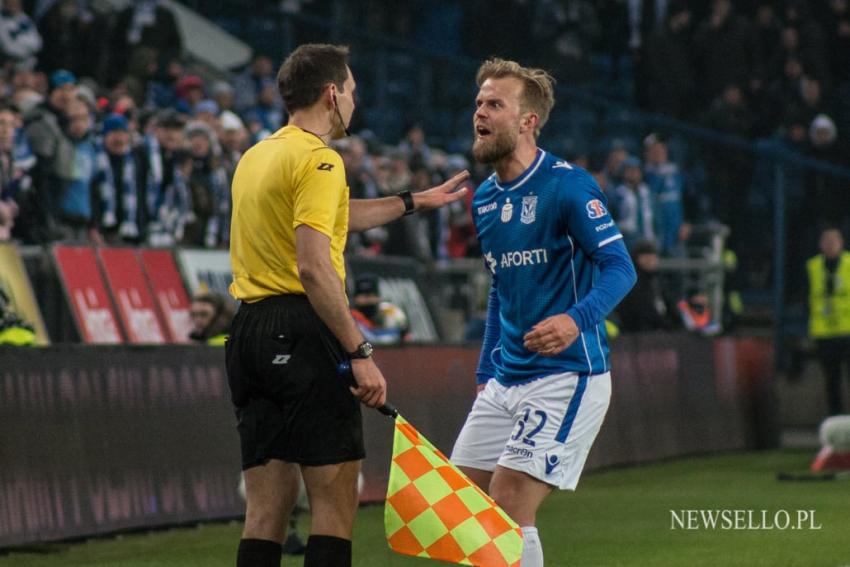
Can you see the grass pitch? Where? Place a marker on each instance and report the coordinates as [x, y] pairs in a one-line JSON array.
[[619, 517]]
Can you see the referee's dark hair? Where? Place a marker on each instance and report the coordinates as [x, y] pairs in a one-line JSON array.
[[307, 70]]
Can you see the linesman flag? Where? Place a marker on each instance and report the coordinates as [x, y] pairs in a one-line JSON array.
[[434, 511]]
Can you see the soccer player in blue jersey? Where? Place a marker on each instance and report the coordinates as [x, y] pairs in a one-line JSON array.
[[559, 267]]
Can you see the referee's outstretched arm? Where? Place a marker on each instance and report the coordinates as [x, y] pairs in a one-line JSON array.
[[364, 214]]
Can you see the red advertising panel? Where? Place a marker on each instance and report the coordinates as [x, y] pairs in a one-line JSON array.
[[169, 292], [132, 296], [96, 320]]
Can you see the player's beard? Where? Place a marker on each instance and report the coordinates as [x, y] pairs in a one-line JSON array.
[[500, 146]]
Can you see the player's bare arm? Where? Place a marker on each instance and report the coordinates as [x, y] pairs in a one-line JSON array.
[[552, 335], [321, 283], [369, 213]]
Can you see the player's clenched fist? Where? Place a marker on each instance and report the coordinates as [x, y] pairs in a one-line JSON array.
[[551, 335]]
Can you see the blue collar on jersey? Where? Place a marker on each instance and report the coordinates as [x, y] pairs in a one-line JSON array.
[[525, 176]]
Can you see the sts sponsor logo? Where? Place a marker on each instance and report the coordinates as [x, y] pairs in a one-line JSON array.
[[595, 209]]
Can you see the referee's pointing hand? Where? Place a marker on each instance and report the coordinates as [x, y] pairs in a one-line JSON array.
[[371, 387], [441, 195]]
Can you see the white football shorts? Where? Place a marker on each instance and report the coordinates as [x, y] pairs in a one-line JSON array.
[[544, 428]]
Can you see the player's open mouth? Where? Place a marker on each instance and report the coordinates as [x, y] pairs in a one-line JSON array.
[[481, 131]]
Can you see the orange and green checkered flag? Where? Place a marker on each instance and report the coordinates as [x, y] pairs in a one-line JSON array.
[[433, 510]]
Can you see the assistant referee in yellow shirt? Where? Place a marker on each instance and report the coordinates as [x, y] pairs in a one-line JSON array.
[[291, 218]]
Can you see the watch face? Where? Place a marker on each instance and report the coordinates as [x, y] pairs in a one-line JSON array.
[[365, 349]]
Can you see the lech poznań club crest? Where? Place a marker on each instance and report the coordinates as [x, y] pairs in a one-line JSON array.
[[507, 210], [529, 209]]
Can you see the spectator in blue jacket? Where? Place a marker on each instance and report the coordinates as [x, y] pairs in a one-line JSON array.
[[75, 217], [267, 114], [666, 183]]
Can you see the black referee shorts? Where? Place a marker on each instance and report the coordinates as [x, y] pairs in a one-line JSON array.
[[291, 403]]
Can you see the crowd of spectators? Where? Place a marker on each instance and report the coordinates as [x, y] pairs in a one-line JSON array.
[[145, 157], [748, 67], [377, 170], [767, 70], [104, 137], [107, 135], [774, 74]]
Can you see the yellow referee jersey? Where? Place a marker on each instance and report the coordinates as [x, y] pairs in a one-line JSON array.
[[289, 179]]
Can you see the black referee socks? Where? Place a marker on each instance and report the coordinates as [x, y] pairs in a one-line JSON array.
[[327, 551], [258, 553]]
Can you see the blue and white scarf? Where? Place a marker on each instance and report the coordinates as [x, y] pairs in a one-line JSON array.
[[218, 227], [127, 226], [168, 224], [154, 175]]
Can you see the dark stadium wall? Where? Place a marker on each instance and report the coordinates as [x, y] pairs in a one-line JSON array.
[[98, 439], [103, 439]]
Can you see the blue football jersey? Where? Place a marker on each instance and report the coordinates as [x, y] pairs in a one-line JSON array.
[[538, 234]]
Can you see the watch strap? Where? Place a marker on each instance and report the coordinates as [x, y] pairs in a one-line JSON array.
[[407, 198], [359, 351]]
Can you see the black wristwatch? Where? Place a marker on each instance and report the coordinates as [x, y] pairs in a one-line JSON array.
[[407, 198], [363, 350]]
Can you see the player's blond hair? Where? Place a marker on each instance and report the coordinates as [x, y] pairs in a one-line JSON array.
[[538, 90]]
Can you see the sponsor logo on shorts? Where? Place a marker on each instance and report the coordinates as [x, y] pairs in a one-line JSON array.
[[281, 358], [324, 166], [551, 462], [519, 451]]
